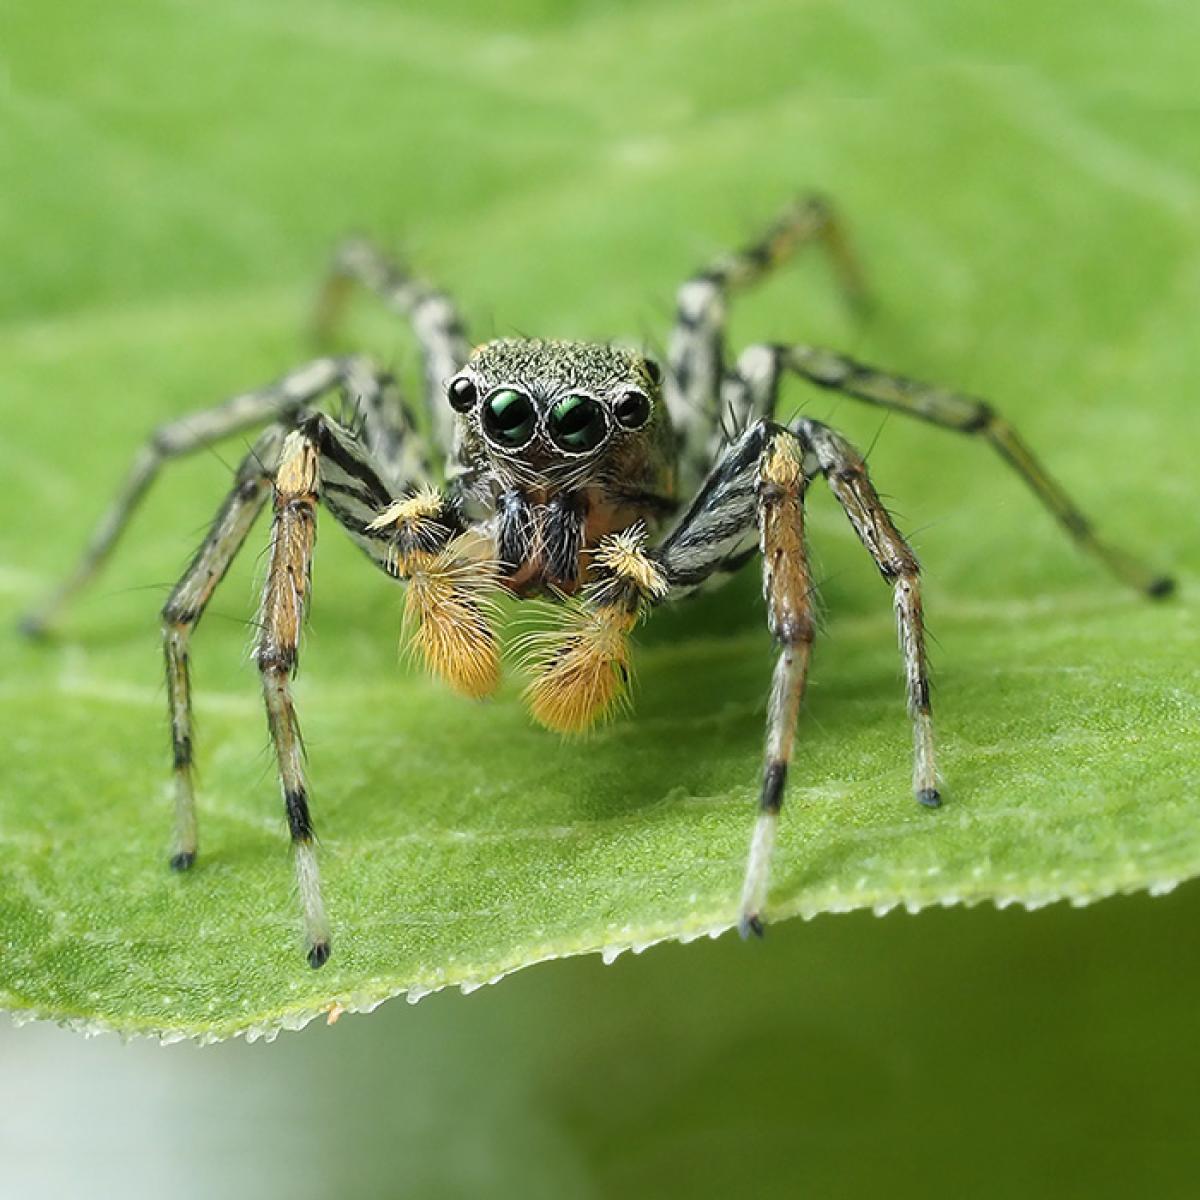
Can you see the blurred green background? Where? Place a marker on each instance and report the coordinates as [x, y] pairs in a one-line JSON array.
[[1024, 184]]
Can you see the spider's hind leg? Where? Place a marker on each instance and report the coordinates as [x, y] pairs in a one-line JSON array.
[[969, 415], [435, 319], [280, 400], [693, 386]]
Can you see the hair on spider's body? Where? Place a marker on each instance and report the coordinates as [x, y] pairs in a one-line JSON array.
[[564, 461]]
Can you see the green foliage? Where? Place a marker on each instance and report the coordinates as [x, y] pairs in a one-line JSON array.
[[179, 176]]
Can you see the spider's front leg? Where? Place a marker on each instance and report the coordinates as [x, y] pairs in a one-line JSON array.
[[759, 486], [289, 578], [418, 538], [358, 489]]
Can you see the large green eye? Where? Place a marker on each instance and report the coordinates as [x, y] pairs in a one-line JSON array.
[[508, 417], [578, 424]]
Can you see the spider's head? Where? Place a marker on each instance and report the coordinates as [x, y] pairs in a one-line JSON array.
[[555, 411]]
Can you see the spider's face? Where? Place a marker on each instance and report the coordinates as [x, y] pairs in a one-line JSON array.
[[548, 411]]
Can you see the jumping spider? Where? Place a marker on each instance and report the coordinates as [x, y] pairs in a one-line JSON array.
[[562, 459]]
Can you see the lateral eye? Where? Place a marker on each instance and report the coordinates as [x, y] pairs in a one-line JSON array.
[[633, 410], [508, 417], [462, 393], [578, 424]]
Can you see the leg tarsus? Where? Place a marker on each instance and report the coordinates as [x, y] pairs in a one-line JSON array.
[[751, 925], [316, 924]]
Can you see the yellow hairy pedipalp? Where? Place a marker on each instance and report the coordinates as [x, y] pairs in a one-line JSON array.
[[420, 505], [581, 670], [448, 612], [624, 555]]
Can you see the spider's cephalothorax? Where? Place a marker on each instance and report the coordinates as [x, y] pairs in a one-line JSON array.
[[555, 464], [559, 444]]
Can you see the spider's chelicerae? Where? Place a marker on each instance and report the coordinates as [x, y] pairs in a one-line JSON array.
[[563, 462]]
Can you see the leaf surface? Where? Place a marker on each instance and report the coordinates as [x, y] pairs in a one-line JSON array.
[[1033, 241]]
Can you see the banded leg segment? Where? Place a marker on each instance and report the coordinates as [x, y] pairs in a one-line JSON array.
[[435, 319], [788, 590], [418, 538], [846, 474], [278, 401], [183, 610], [966, 414], [696, 349], [289, 575], [758, 487], [760, 483], [322, 459], [399, 453]]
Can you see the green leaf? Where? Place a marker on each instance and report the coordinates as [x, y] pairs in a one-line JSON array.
[[1032, 235]]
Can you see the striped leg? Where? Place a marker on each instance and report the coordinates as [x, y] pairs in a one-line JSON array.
[[320, 457], [697, 344], [277, 401], [387, 427], [186, 606], [285, 595], [435, 319], [846, 474], [967, 414], [417, 537], [758, 485], [787, 589]]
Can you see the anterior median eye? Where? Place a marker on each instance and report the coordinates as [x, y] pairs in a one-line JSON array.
[[508, 417], [578, 424]]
